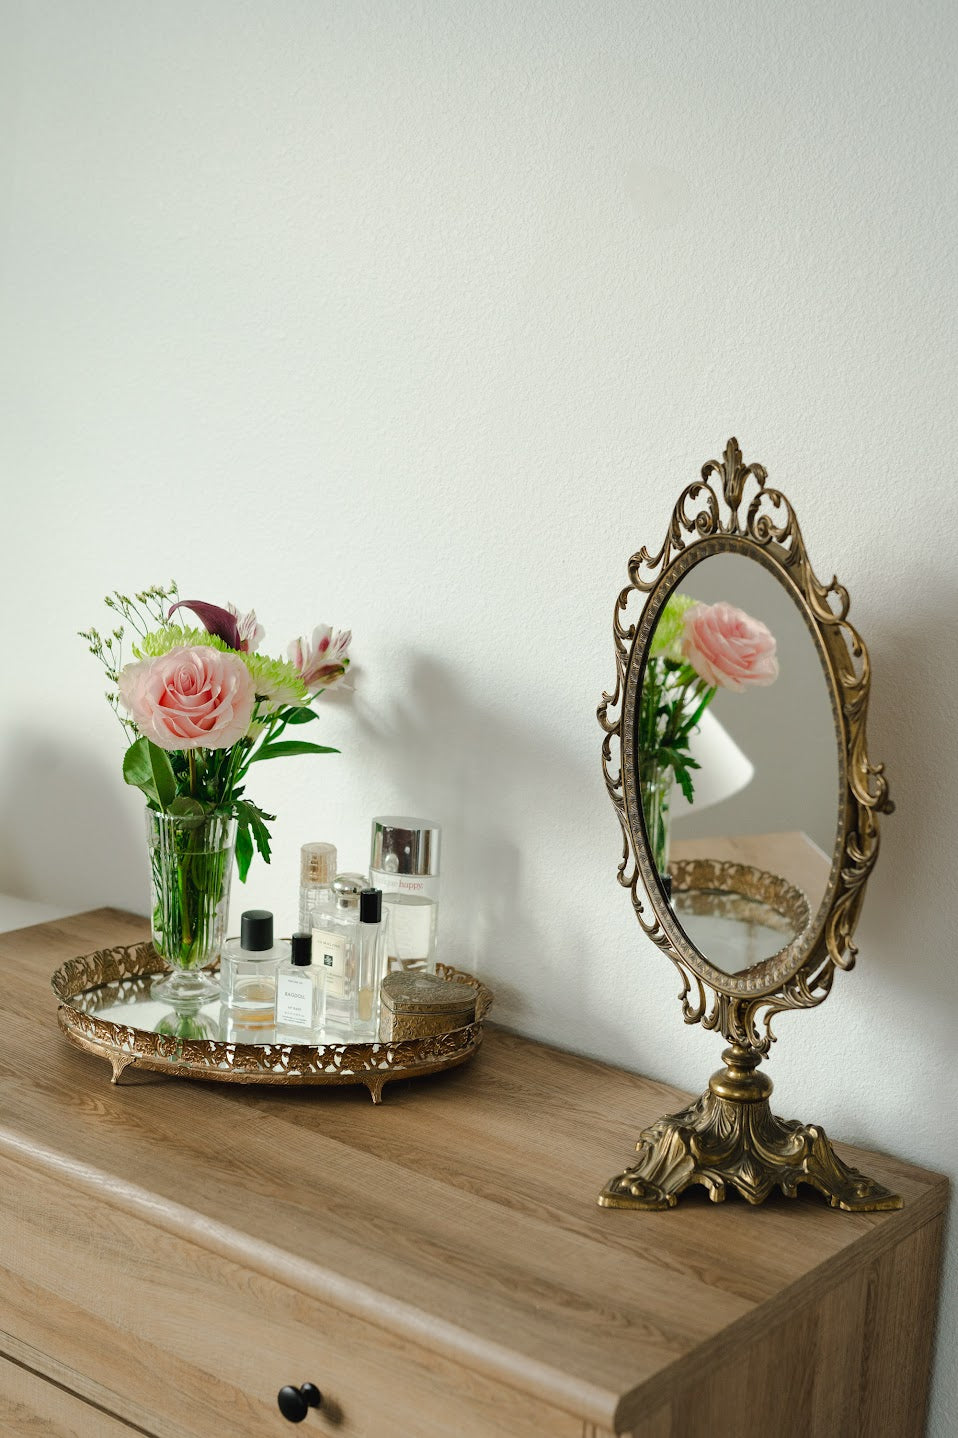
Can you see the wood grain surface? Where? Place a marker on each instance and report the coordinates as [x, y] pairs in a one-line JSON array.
[[457, 1222], [32, 1407]]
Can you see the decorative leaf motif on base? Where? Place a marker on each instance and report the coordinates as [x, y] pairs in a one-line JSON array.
[[720, 1145]]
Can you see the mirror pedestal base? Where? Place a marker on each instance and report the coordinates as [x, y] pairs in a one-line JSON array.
[[730, 1138]]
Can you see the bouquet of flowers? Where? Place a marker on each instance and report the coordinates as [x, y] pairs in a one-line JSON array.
[[198, 706], [696, 650]]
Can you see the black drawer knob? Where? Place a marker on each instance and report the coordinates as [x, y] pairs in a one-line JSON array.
[[295, 1403]]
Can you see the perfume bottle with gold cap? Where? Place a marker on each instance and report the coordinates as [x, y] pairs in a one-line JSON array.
[[317, 870]]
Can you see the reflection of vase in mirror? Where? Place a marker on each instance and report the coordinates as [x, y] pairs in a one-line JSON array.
[[657, 782], [735, 709], [179, 1024]]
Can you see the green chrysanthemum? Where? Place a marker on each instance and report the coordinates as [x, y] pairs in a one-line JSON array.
[[161, 641], [667, 639], [276, 680]]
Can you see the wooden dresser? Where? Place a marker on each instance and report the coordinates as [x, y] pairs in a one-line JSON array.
[[174, 1253]]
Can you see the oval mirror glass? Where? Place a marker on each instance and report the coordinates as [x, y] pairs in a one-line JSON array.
[[738, 763]]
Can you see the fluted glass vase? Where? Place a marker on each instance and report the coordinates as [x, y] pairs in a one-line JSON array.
[[191, 865]]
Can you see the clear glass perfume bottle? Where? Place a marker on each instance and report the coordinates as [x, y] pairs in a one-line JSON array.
[[317, 870], [300, 993], [370, 966], [335, 936], [248, 965], [404, 863]]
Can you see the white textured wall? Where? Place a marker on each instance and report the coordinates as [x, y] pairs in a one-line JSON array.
[[414, 318]]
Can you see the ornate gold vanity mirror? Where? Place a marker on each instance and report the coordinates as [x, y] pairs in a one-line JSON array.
[[739, 771]]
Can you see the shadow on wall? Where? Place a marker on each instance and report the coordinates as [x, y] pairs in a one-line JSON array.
[[68, 833], [487, 781], [912, 732]]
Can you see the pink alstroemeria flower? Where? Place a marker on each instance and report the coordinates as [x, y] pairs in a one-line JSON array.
[[251, 632], [239, 631], [321, 661]]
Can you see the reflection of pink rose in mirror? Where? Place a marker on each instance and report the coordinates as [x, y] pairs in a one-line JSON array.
[[728, 648], [190, 698]]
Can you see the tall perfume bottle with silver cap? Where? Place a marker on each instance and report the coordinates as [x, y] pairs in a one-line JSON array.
[[404, 863]]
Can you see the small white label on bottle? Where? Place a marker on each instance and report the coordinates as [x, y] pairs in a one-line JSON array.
[[329, 956], [294, 999]]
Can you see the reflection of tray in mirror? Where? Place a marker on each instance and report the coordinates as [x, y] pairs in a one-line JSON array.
[[736, 915], [106, 1009]]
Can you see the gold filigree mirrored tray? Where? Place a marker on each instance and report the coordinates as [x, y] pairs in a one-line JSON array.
[[106, 1010]]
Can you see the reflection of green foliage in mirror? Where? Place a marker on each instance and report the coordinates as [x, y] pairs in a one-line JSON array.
[[674, 698], [695, 647], [667, 639]]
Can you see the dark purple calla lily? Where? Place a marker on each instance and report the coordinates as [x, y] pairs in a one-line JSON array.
[[214, 620]]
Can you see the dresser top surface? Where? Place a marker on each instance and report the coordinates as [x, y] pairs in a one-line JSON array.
[[462, 1208]]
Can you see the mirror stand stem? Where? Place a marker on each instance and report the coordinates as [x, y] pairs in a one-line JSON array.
[[729, 1137]]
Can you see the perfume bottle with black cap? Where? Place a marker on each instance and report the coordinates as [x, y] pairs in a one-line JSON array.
[[248, 965], [371, 962], [300, 993]]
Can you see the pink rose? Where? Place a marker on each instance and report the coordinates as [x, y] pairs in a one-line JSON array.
[[322, 660], [190, 698], [728, 648]]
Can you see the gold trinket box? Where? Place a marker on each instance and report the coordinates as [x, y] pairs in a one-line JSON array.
[[416, 1005]]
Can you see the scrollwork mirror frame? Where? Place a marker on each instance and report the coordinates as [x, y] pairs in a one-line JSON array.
[[729, 1136]]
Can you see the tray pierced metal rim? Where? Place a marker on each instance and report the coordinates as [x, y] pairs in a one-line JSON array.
[[226, 1061]]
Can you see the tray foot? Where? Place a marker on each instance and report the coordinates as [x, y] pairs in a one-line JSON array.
[[119, 1063]]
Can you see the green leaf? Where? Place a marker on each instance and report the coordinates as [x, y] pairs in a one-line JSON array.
[[674, 756], [684, 781], [190, 810], [287, 747], [251, 821], [300, 716], [688, 725], [148, 767], [244, 851]]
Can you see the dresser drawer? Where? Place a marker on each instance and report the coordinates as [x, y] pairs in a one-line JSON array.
[[30, 1405], [187, 1342]]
